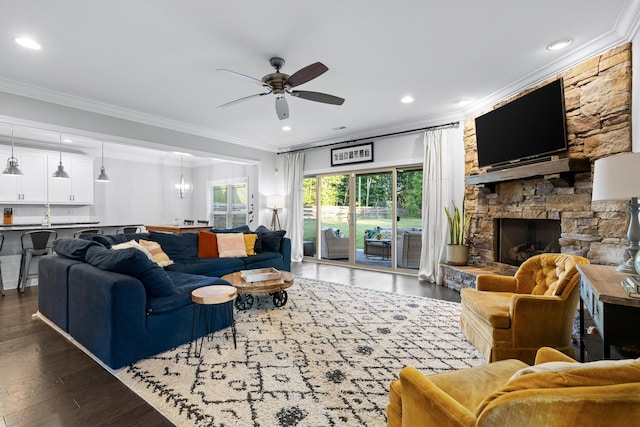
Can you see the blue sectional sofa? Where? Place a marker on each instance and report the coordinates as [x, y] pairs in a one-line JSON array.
[[123, 307]]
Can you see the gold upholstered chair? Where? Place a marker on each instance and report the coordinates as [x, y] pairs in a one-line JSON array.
[[512, 317], [557, 391]]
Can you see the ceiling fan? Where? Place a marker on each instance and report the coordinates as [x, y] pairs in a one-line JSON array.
[[279, 83]]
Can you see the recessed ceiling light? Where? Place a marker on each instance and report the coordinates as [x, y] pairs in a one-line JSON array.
[[286, 128], [463, 102], [28, 43], [560, 44], [67, 140], [407, 99]]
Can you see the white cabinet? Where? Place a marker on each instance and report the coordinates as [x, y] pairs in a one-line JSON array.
[[31, 186], [78, 188]]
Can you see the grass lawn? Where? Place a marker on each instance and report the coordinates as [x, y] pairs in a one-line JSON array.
[[361, 226]]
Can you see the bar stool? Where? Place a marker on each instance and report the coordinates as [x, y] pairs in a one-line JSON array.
[[79, 233], [1, 283], [34, 243], [128, 230]]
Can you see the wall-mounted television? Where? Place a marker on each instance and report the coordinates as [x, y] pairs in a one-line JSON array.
[[529, 127]]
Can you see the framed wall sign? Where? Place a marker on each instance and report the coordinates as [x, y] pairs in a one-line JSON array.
[[353, 154]]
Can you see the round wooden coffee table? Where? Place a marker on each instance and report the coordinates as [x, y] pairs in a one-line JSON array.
[[246, 290]]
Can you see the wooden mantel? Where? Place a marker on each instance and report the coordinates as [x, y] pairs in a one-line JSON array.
[[558, 171]]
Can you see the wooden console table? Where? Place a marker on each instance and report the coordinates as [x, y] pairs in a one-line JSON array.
[[615, 314], [178, 228]]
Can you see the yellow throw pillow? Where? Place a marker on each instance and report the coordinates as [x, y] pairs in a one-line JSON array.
[[250, 243], [157, 254], [231, 245]]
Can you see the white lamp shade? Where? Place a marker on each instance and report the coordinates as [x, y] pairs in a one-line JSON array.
[[275, 201], [616, 177]]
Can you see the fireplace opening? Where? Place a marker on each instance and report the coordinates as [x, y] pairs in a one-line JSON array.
[[520, 239]]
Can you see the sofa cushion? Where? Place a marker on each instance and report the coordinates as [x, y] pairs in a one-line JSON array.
[[492, 306], [75, 249], [112, 239], [157, 254], [209, 266], [132, 262], [271, 240], [179, 246], [207, 245], [181, 296], [239, 229], [264, 260], [231, 245]]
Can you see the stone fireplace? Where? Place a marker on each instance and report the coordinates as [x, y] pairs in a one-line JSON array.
[[598, 111], [519, 239]]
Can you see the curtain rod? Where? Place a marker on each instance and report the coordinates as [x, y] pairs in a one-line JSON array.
[[402, 132]]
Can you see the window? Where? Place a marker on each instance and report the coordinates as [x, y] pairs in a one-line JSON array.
[[229, 205]]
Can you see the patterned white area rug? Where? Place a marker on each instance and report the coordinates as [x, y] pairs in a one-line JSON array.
[[324, 359]]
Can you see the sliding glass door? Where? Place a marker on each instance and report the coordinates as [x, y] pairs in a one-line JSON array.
[[334, 217], [374, 219], [371, 218]]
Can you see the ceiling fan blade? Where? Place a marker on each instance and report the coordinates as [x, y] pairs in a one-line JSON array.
[[246, 98], [305, 74], [318, 97], [282, 108], [243, 77]]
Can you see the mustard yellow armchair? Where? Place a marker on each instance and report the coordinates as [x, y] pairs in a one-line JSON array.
[[560, 393], [512, 317]]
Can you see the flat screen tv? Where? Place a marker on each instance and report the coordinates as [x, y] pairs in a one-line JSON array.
[[526, 128]]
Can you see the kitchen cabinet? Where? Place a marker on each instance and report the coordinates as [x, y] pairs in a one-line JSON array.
[[31, 186], [78, 188]]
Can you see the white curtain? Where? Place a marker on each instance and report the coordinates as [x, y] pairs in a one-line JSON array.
[[294, 202], [437, 191]]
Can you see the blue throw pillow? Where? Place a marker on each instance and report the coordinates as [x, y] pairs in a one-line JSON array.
[[132, 262], [270, 240], [73, 248], [178, 246]]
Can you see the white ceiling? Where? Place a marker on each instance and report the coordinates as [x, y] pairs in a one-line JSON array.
[[155, 61]]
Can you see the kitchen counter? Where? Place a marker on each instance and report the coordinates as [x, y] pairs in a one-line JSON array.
[[55, 225]]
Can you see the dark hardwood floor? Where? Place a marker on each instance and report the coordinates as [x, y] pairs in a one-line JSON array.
[[46, 380]]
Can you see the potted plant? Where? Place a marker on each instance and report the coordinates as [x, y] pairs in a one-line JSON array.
[[457, 252]]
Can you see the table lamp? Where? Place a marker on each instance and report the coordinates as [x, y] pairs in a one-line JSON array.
[[617, 177]]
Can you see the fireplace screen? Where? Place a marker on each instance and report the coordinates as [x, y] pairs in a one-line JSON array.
[[520, 239]]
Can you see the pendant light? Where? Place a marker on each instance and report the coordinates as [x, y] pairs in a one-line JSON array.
[[103, 177], [12, 163], [60, 172], [182, 186]]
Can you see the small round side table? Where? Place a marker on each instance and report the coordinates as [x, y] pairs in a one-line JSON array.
[[207, 298]]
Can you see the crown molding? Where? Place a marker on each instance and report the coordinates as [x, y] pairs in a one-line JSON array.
[[73, 101]]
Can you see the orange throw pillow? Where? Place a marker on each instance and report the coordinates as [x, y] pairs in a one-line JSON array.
[[207, 245]]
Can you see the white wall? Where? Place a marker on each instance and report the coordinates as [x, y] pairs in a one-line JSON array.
[[399, 150]]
